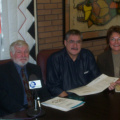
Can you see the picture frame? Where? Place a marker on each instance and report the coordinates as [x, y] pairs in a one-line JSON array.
[[97, 29]]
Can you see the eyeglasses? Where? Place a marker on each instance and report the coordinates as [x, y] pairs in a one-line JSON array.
[[73, 42], [114, 39]]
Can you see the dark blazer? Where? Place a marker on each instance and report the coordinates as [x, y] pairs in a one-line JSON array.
[[105, 63], [11, 88]]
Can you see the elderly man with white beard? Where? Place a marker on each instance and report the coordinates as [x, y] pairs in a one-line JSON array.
[[14, 96]]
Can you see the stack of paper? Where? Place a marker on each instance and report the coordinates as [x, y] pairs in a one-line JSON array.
[[96, 86], [63, 104]]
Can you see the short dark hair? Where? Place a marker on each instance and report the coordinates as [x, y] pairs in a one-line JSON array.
[[73, 32], [111, 30]]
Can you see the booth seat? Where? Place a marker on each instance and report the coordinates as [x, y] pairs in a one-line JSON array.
[[4, 61], [42, 60]]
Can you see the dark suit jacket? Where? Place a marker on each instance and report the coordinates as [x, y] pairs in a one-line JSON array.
[[105, 63], [11, 88]]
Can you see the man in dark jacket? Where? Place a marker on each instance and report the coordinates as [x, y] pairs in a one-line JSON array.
[[71, 67], [13, 95]]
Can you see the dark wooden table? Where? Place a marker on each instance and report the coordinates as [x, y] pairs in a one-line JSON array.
[[102, 106]]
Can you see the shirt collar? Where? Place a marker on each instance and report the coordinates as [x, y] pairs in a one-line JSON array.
[[19, 67]]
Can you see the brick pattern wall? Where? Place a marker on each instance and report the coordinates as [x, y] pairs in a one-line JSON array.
[[50, 28]]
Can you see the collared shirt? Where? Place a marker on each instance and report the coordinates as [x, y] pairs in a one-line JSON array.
[[19, 71], [64, 74]]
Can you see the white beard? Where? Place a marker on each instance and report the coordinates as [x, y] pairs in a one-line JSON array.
[[20, 63]]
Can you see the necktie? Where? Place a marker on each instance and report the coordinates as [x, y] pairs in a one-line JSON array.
[[27, 90]]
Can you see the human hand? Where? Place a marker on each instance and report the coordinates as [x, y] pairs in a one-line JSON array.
[[112, 86], [117, 86], [63, 94], [118, 81]]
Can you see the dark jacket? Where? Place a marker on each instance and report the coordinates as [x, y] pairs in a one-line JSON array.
[[105, 63], [11, 88], [64, 74]]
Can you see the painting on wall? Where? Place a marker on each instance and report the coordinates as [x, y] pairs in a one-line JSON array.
[[91, 17]]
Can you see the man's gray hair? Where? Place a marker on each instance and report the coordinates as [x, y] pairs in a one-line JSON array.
[[18, 43], [73, 32]]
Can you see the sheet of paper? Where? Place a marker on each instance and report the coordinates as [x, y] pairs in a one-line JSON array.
[[63, 104], [97, 85]]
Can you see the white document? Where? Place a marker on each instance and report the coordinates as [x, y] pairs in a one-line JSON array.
[[63, 104], [96, 86]]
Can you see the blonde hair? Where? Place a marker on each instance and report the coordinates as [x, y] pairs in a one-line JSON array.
[[18, 43]]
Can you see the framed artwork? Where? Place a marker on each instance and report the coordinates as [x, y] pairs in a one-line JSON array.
[[91, 17]]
